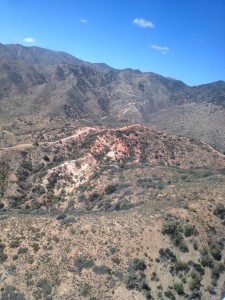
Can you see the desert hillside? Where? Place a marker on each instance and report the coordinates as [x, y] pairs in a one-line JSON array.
[[128, 213], [112, 182]]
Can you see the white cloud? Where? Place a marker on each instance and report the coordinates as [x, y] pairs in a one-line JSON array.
[[162, 50], [143, 23], [29, 40], [84, 21]]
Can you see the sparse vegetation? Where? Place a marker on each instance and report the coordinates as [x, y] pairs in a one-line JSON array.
[[82, 215]]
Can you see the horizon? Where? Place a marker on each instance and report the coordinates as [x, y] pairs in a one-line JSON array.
[[182, 43]]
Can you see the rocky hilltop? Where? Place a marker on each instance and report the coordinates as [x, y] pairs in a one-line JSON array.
[[64, 167]]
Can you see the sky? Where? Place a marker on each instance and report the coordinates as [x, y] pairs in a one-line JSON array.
[[184, 40]]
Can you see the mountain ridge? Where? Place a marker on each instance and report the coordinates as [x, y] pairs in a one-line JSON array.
[[80, 90], [42, 56]]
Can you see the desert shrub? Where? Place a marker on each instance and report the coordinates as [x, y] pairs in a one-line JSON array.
[[131, 281], [10, 292], [68, 220], [171, 228], [22, 250], [195, 282], [175, 232], [190, 230], [170, 295], [45, 286], [207, 261], [146, 182], [167, 254], [94, 197], [61, 216], [217, 270], [138, 282], [52, 180], [216, 248], [139, 264], [100, 270], [179, 288], [211, 290], [181, 266], [115, 260], [38, 167], [14, 244], [83, 263], [195, 295], [223, 291], [189, 149], [85, 290], [22, 175], [183, 246], [198, 268], [219, 211], [46, 158], [4, 172], [154, 276], [144, 285], [55, 238], [36, 247], [27, 165], [81, 198], [3, 256], [148, 295], [110, 189], [195, 245]]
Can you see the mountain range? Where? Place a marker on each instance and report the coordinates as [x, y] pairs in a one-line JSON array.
[[40, 82]]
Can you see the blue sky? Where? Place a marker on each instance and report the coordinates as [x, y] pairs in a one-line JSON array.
[[180, 39]]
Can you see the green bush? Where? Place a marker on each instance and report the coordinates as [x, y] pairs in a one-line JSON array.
[[183, 246], [219, 211], [216, 248], [110, 189], [175, 231], [131, 281], [81, 263], [95, 197], [139, 264], [170, 295], [198, 268], [207, 261], [190, 230], [217, 270], [171, 228], [36, 247], [179, 288], [14, 244], [167, 254], [195, 282], [181, 266]]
